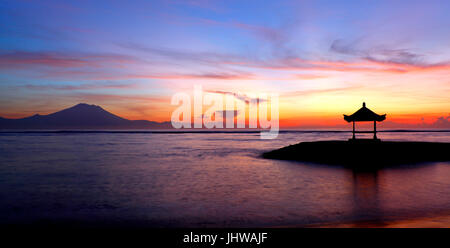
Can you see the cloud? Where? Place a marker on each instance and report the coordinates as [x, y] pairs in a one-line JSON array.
[[74, 65], [359, 65], [273, 35], [380, 54], [240, 96], [219, 66], [318, 91], [442, 122], [96, 97], [25, 59], [86, 86], [219, 75], [399, 56], [380, 59], [177, 55], [22, 59], [309, 76], [339, 46]]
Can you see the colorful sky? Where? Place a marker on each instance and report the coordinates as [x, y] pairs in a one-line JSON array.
[[324, 58]]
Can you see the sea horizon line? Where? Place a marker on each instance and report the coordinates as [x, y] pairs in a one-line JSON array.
[[174, 131]]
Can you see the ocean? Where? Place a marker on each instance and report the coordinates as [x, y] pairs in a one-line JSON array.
[[213, 179]]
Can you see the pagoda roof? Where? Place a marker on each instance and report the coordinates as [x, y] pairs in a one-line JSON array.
[[364, 114]]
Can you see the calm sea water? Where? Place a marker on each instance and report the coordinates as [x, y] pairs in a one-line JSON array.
[[206, 180]]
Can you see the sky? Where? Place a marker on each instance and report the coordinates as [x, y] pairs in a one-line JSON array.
[[323, 58]]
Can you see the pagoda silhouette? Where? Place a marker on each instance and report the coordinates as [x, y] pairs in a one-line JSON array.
[[365, 114]]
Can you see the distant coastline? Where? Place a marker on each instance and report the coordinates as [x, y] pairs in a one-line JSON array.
[[204, 130], [79, 117], [89, 117]]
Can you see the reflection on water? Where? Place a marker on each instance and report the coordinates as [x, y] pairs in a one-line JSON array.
[[365, 195], [215, 179]]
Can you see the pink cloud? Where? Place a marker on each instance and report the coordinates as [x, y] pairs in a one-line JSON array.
[[316, 91], [221, 76], [87, 86], [366, 65], [24, 59]]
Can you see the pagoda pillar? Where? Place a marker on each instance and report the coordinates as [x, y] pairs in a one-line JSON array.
[[374, 129], [353, 130]]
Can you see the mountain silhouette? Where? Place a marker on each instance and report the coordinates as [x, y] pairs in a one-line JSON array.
[[80, 116]]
